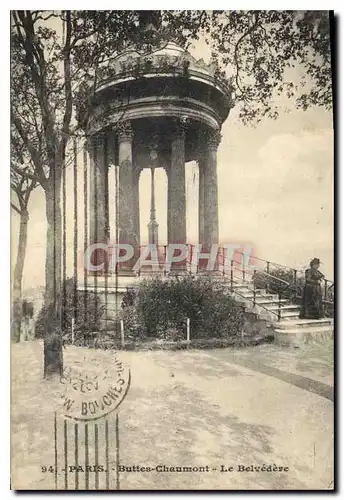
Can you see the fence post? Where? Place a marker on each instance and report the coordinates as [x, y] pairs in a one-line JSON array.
[[267, 280], [122, 334], [295, 285], [139, 269], [73, 335], [188, 330], [279, 304], [326, 289], [243, 308], [231, 275], [190, 259], [254, 288], [165, 252], [223, 262]]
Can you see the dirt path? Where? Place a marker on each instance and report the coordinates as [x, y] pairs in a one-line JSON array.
[[202, 409]]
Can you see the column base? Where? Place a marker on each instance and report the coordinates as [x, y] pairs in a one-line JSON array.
[[182, 271], [126, 272]]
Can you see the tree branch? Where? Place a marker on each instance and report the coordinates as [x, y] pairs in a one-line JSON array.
[[35, 156], [236, 50], [68, 87], [15, 208], [33, 51]]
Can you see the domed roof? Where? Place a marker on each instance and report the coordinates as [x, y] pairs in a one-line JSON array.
[[169, 58]]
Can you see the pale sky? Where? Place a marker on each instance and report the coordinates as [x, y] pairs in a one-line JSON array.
[[275, 186]]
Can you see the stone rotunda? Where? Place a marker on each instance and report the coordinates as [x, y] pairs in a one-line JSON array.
[[158, 108]]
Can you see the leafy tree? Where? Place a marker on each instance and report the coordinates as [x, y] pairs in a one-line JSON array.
[[261, 48], [56, 58], [22, 185], [45, 70]]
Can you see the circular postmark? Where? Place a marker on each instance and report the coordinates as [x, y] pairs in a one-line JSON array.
[[89, 392]]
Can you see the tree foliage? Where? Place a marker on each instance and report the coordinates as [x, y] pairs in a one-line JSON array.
[[271, 53], [56, 56]]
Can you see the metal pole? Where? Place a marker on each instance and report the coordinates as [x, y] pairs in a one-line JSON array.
[[122, 334], [295, 285], [188, 329], [75, 233], [165, 252], [190, 259], [223, 262], [232, 275], [267, 272], [279, 305], [85, 312], [73, 335]]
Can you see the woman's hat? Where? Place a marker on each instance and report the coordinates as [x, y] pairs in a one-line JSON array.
[[314, 261]]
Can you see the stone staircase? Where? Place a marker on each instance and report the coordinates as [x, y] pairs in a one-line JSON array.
[[281, 315]]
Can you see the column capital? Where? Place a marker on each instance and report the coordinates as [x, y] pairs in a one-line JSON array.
[[179, 128], [207, 140], [125, 131], [96, 140], [213, 139]]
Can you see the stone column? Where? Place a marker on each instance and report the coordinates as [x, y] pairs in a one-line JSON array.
[[176, 187], [126, 197], [98, 210], [211, 218], [136, 203], [200, 201], [168, 173]]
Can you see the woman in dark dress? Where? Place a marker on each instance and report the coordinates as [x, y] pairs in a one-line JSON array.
[[312, 307]]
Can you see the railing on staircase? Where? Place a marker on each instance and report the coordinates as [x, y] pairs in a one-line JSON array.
[[290, 288], [285, 282], [246, 273]]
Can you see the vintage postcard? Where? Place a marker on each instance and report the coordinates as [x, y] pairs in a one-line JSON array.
[[172, 250]]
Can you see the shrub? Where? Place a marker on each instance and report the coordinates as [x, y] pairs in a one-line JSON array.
[[160, 308], [85, 307]]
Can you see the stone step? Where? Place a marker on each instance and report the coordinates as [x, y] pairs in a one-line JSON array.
[[287, 315], [248, 286], [261, 296], [319, 329], [296, 337], [285, 308], [265, 302], [250, 292], [304, 323]]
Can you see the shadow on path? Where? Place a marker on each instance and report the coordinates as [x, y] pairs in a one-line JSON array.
[[308, 384]]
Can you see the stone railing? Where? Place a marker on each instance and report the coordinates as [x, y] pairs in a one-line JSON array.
[[177, 65]]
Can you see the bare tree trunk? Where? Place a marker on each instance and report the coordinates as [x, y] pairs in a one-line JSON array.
[[53, 356], [18, 276]]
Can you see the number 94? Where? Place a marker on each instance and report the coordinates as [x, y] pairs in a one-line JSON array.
[[49, 468]]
